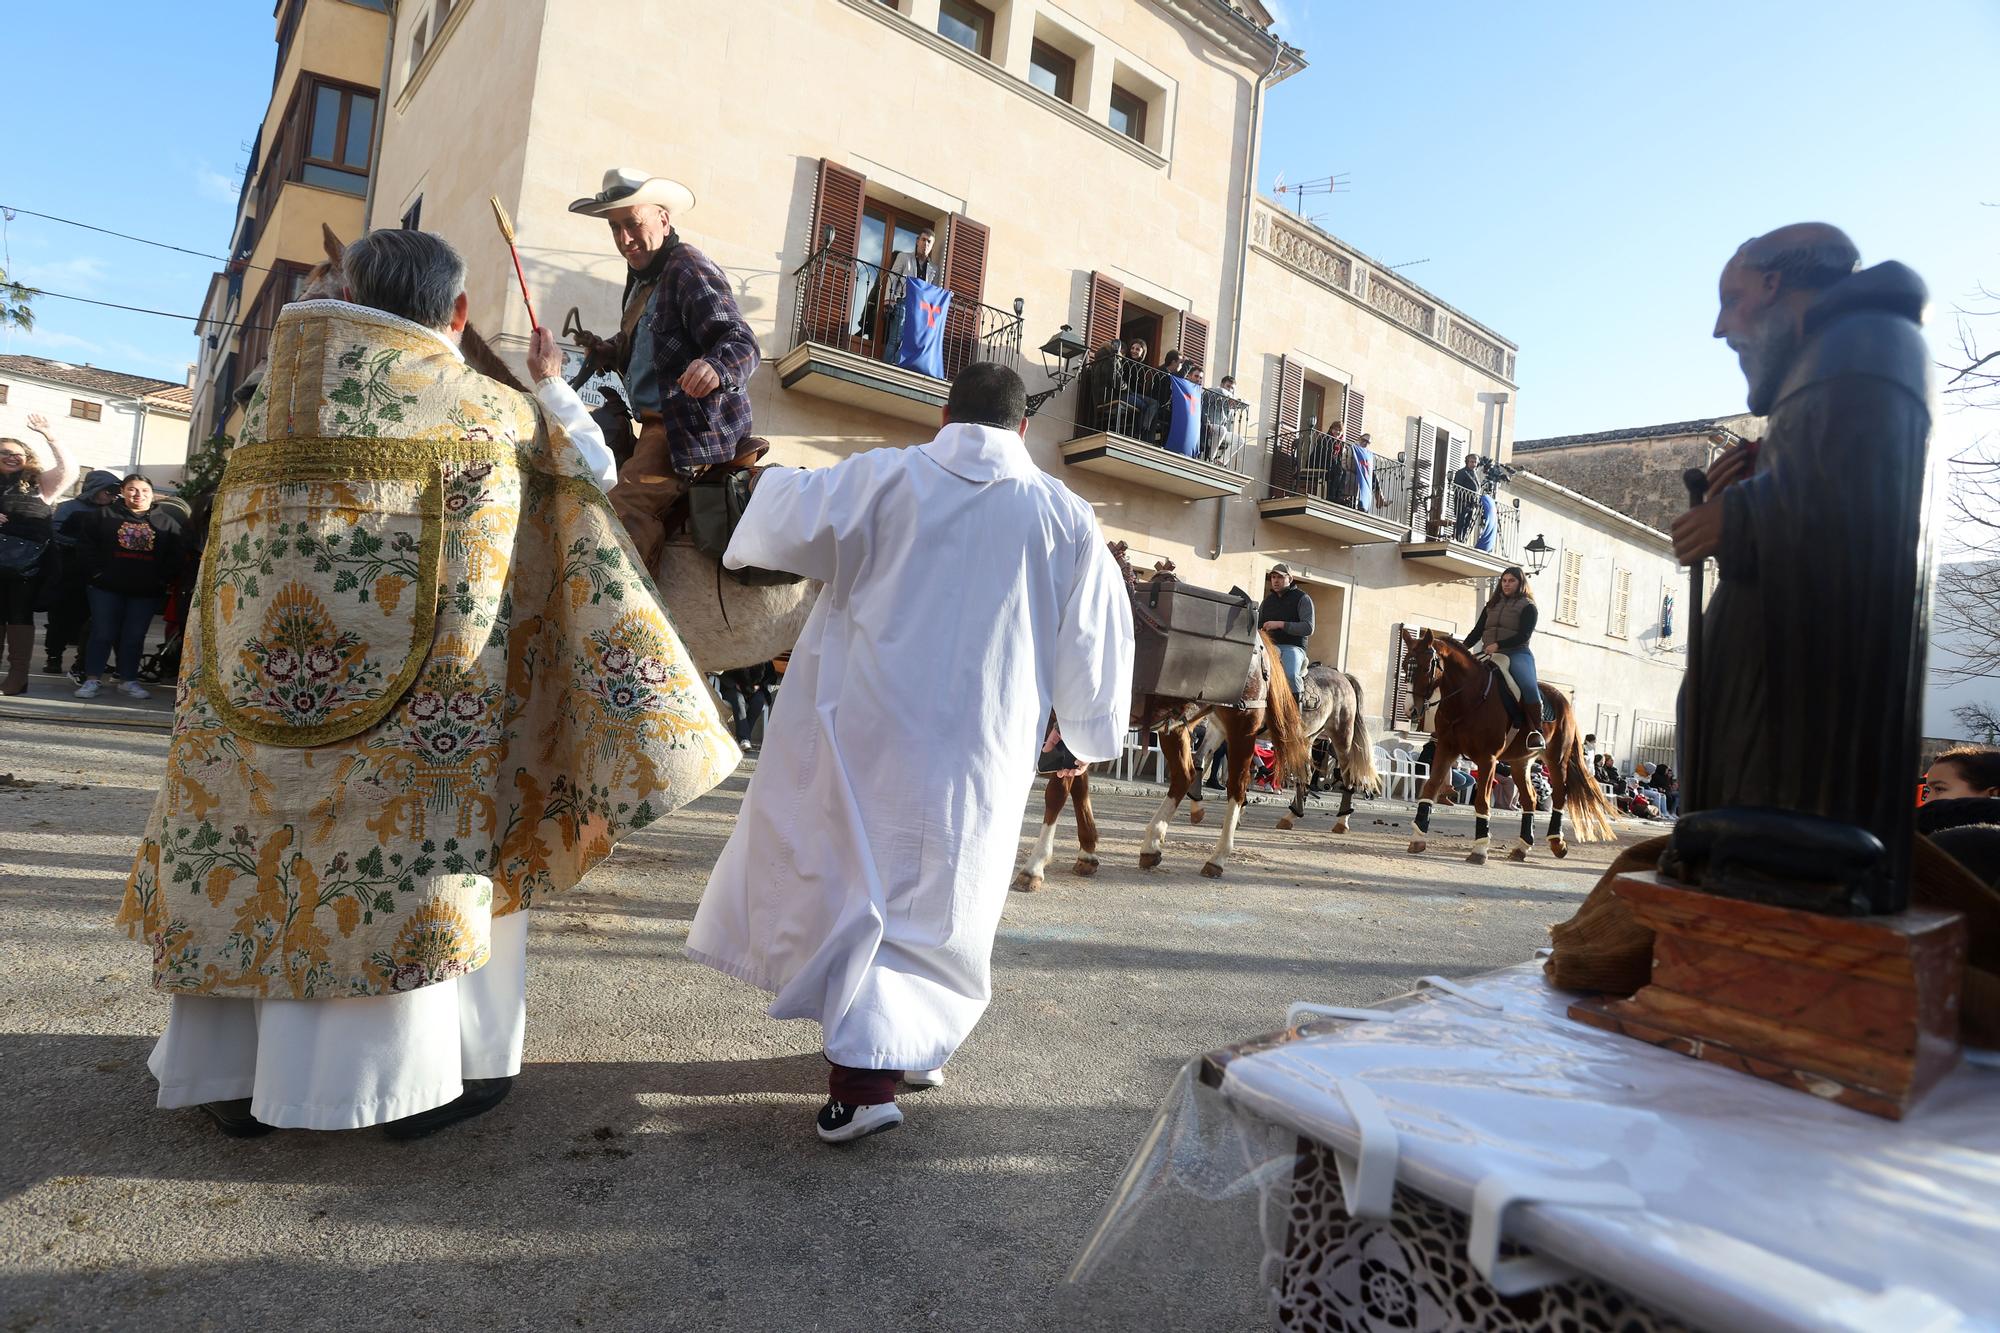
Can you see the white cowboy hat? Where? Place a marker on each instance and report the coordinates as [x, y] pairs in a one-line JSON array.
[[624, 188]]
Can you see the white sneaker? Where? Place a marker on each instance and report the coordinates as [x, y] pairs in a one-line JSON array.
[[89, 689], [132, 689], [841, 1123], [922, 1078]]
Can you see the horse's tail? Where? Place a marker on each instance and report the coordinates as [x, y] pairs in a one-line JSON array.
[[1287, 728], [1357, 756], [1590, 814]]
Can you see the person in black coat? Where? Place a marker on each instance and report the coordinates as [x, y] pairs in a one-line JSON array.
[[132, 551]]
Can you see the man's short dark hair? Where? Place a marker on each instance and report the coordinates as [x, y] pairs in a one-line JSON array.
[[987, 393]]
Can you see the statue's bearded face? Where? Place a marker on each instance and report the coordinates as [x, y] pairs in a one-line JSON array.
[[1758, 328]]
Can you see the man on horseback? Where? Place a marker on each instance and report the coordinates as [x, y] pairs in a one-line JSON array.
[[1505, 625], [1287, 616], [682, 347]]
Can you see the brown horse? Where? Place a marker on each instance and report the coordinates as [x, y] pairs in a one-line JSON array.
[[1471, 720], [725, 624], [1275, 716]]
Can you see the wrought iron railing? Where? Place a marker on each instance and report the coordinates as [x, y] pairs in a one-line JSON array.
[[1474, 516], [1118, 395], [1321, 466], [846, 303]]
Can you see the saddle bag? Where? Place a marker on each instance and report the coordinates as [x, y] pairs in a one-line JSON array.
[[716, 502], [1192, 643]]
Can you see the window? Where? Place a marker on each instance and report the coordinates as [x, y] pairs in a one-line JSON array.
[[420, 42], [970, 25], [1566, 587], [281, 287], [324, 139], [1052, 71], [1621, 603], [1128, 113], [3, 393], [85, 410], [413, 220]]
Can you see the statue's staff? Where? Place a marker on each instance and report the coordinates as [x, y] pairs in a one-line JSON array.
[[1696, 481]]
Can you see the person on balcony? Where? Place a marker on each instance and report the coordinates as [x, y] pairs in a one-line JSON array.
[[1361, 473], [907, 264], [683, 348], [1505, 625], [1138, 414], [1287, 616], [1465, 487], [1219, 407]]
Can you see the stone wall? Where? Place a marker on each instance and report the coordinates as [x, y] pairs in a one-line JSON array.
[[1639, 475]]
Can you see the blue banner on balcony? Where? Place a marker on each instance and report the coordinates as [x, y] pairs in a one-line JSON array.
[[1364, 477], [925, 305], [1184, 428], [1488, 520]]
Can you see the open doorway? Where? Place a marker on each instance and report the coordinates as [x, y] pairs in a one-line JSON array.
[[1328, 643], [1138, 322]]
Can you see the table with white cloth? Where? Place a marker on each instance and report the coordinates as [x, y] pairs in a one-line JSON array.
[[1469, 1157]]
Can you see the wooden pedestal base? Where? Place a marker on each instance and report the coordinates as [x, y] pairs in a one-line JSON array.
[[1858, 1010]]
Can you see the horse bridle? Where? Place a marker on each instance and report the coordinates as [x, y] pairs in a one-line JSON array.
[[1428, 701]]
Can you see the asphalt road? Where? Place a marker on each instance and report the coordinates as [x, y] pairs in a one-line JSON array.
[[656, 1166]]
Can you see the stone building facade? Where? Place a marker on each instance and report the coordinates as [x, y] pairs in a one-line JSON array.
[[1637, 470]]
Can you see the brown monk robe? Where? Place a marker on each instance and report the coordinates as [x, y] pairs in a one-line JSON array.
[[1810, 682]]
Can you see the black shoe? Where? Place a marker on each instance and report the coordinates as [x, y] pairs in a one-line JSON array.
[[841, 1123], [52, 666], [234, 1119], [480, 1096]]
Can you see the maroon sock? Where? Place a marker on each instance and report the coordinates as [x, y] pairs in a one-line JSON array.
[[861, 1087]]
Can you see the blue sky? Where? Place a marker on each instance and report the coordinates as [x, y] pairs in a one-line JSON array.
[[1574, 174]]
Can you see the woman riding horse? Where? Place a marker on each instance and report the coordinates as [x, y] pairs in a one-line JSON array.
[[1505, 625]]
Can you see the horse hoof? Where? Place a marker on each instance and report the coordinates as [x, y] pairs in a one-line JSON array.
[[1086, 865], [1518, 854], [1211, 869], [1340, 824], [1197, 813], [1148, 860], [1475, 858], [1559, 847], [1417, 844], [1026, 883], [1286, 821]]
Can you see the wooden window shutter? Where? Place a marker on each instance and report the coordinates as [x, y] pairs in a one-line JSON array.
[[1356, 403], [1194, 340], [965, 245], [1400, 702], [829, 294], [1417, 459], [1285, 434], [1106, 313]]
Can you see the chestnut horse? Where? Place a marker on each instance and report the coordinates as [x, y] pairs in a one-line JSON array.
[[1472, 720], [1276, 717], [724, 624]]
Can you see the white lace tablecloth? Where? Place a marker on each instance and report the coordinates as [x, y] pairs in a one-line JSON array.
[[1722, 1199]]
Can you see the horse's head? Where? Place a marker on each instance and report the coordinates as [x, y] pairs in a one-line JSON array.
[[326, 281], [1423, 663]]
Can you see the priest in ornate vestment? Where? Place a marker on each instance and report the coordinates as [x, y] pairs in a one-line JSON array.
[[427, 685]]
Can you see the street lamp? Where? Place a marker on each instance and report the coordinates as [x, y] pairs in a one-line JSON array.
[[1062, 359], [1538, 552]]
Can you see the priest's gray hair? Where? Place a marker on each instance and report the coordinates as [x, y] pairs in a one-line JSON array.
[[1808, 255], [414, 274]]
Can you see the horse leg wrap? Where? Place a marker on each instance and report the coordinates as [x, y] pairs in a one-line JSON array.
[[1555, 823], [1482, 827], [1527, 826], [1423, 816]]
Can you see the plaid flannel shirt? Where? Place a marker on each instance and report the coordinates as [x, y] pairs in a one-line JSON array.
[[695, 318]]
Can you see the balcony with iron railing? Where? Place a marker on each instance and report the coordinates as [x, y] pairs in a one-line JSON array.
[[847, 341], [1467, 531], [1137, 423], [1325, 485]]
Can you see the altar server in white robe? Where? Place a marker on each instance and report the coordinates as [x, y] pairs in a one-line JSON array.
[[967, 594]]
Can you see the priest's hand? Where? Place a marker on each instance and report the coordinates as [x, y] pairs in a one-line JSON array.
[[1698, 533], [699, 380], [545, 358]]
